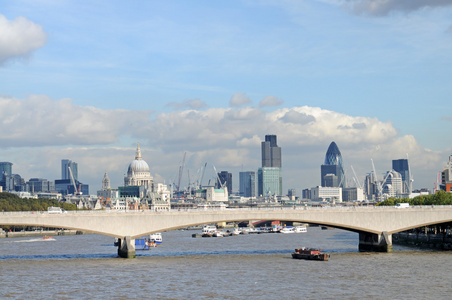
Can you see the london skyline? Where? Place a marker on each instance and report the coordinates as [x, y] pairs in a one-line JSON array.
[[86, 81]]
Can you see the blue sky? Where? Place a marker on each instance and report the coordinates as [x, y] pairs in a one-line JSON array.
[[86, 80]]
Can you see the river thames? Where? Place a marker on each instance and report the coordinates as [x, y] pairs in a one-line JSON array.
[[245, 266]]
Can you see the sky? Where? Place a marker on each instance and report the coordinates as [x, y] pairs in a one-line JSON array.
[[88, 80]]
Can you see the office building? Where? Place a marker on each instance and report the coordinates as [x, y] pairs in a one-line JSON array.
[[225, 179], [269, 182], [332, 166], [446, 177], [402, 167], [65, 172], [271, 153], [247, 184], [392, 187], [269, 177]]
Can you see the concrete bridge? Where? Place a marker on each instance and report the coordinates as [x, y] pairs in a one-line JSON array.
[[375, 225]]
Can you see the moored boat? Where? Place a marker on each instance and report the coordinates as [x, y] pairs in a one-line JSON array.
[[288, 229], [301, 228], [310, 254]]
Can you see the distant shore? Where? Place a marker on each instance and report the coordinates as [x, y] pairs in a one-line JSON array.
[[16, 234]]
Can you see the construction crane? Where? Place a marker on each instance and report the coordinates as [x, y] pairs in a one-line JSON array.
[[377, 183], [181, 170], [76, 191], [202, 175], [355, 178], [410, 180], [218, 178]]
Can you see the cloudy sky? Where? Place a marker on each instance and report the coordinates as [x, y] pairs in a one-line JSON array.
[[87, 80]]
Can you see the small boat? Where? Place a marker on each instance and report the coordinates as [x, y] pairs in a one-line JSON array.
[[236, 231], [288, 229], [299, 229], [310, 254], [47, 238], [326, 228]]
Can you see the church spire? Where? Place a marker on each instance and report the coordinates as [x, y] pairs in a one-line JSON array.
[[138, 154], [106, 182]]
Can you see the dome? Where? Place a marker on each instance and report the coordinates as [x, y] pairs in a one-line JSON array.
[[138, 165]]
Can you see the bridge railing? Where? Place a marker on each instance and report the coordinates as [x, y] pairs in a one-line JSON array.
[[285, 208]]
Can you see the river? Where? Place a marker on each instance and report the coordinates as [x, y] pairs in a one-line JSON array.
[[236, 267]]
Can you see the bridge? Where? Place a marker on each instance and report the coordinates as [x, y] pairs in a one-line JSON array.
[[375, 225]]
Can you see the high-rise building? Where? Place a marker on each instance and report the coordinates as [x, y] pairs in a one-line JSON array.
[[446, 176], [269, 182], [271, 153], [393, 184], [333, 165], [5, 172], [269, 177], [225, 179], [402, 167], [247, 184], [65, 173]]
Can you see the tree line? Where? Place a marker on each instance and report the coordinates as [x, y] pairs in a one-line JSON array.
[[439, 198], [11, 202]]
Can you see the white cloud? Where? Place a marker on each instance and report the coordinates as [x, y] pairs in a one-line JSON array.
[[37, 132], [19, 38], [271, 101], [384, 7], [41, 121], [191, 104], [239, 99]]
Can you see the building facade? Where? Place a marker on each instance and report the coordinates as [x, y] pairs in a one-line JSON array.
[[401, 166], [446, 176], [333, 165], [269, 182], [225, 179], [328, 194], [247, 182], [67, 164], [271, 153], [269, 176]]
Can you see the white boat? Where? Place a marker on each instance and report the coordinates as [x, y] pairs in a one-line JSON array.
[[155, 239], [299, 229], [236, 231], [288, 229], [208, 230]]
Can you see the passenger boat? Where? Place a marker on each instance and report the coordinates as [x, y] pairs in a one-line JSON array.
[[287, 230], [299, 229], [310, 254]]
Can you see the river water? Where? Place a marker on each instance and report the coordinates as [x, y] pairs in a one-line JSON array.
[[245, 266]]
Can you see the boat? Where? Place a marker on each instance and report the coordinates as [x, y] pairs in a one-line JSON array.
[[47, 238], [208, 230], [236, 231], [288, 229], [155, 239], [299, 229], [326, 228], [310, 254]]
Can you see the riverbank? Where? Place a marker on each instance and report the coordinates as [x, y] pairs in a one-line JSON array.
[[423, 240], [15, 234]]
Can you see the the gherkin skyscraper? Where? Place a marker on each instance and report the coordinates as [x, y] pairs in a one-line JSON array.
[[332, 171]]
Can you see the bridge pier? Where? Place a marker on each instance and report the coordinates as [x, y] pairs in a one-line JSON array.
[[126, 247], [371, 242]]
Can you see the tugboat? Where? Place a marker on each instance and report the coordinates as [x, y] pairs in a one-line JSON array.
[[310, 254]]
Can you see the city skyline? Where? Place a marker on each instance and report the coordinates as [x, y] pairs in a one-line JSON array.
[[211, 79]]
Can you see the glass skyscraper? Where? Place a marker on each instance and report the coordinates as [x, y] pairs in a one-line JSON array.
[[269, 177], [247, 184], [401, 166], [333, 166], [65, 163]]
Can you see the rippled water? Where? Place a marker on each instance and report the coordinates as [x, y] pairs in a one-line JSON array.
[[252, 266]]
